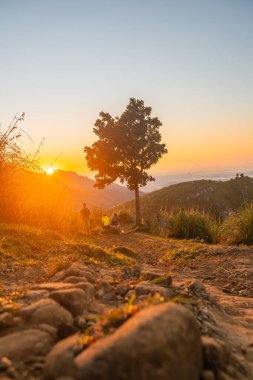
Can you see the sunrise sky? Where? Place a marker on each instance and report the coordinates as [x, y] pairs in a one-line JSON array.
[[63, 61]]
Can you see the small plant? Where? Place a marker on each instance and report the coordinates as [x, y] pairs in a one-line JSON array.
[[125, 251], [181, 255], [238, 227], [92, 254]]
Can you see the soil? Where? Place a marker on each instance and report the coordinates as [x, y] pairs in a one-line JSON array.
[[227, 273]]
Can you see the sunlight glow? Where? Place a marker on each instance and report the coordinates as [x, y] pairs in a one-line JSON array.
[[50, 171]]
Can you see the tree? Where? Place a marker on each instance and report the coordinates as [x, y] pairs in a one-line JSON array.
[[126, 148]]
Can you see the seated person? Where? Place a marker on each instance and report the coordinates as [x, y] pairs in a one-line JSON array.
[[115, 222], [105, 221]]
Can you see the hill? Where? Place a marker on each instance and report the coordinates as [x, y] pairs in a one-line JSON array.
[[215, 197], [81, 189]]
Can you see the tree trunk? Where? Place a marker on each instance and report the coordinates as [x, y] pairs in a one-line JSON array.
[[137, 206]]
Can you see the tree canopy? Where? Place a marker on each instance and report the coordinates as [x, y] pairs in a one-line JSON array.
[[127, 146]]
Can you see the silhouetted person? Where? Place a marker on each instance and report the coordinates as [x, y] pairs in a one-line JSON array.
[[105, 221], [85, 214], [115, 222]]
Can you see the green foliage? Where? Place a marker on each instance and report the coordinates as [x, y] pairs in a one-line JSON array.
[[238, 228], [185, 224], [190, 225], [182, 255], [126, 148], [92, 254], [216, 198], [125, 251]]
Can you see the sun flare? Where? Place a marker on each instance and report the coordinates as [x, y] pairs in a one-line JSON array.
[[50, 171]]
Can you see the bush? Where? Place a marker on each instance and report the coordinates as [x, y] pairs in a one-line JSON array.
[[238, 227], [182, 224], [191, 225]]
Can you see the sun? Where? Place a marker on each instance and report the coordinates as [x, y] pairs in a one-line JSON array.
[[50, 171]]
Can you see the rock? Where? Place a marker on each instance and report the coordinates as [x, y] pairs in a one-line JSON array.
[[147, 289], [65, 331], [52, 286], [160, 342], [164, 280], [48, 329], [122, 289], [88, 289], [215, 354], [207, 375], [150, 275], [74, 300], [197, 288], [74, 279], [83, 273], [105, 290], [35, 295], [128, 272], [6, 320], [46, 311], [60, 360], [21, 345]]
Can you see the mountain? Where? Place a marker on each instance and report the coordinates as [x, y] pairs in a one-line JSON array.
[[81, 189], [215, 197], [164, 180]]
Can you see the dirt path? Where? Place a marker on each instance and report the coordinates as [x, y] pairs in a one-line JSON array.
[[227, 273]]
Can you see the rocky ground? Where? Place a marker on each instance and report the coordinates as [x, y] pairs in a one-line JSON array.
[[181, 311]]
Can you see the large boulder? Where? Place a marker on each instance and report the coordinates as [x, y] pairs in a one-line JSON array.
[[74, 300], [161, 342], [46, 311], [21, 345]]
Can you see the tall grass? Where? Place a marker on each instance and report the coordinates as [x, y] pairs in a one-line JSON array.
[[238, 227], [185, 224]]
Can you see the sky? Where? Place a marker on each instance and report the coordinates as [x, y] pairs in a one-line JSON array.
[[64, 61]]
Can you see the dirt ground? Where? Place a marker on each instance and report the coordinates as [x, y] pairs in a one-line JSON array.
[[227, 273]]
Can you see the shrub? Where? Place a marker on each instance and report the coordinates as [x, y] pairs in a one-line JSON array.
[[182, 224], [191, 225], [238, 227]]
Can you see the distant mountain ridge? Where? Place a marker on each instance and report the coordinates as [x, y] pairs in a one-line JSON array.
[[81, 189], [216, 197]]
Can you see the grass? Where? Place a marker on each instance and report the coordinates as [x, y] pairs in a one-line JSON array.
[[93, 254], [238, 228], [23, 246], [125, 251], [182, 255]]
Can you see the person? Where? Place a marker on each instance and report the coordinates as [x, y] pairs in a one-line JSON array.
[[85, 214], [115, 222], [105, 221]]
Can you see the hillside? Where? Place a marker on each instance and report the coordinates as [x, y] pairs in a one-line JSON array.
[[216, 197], [81, 189]]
